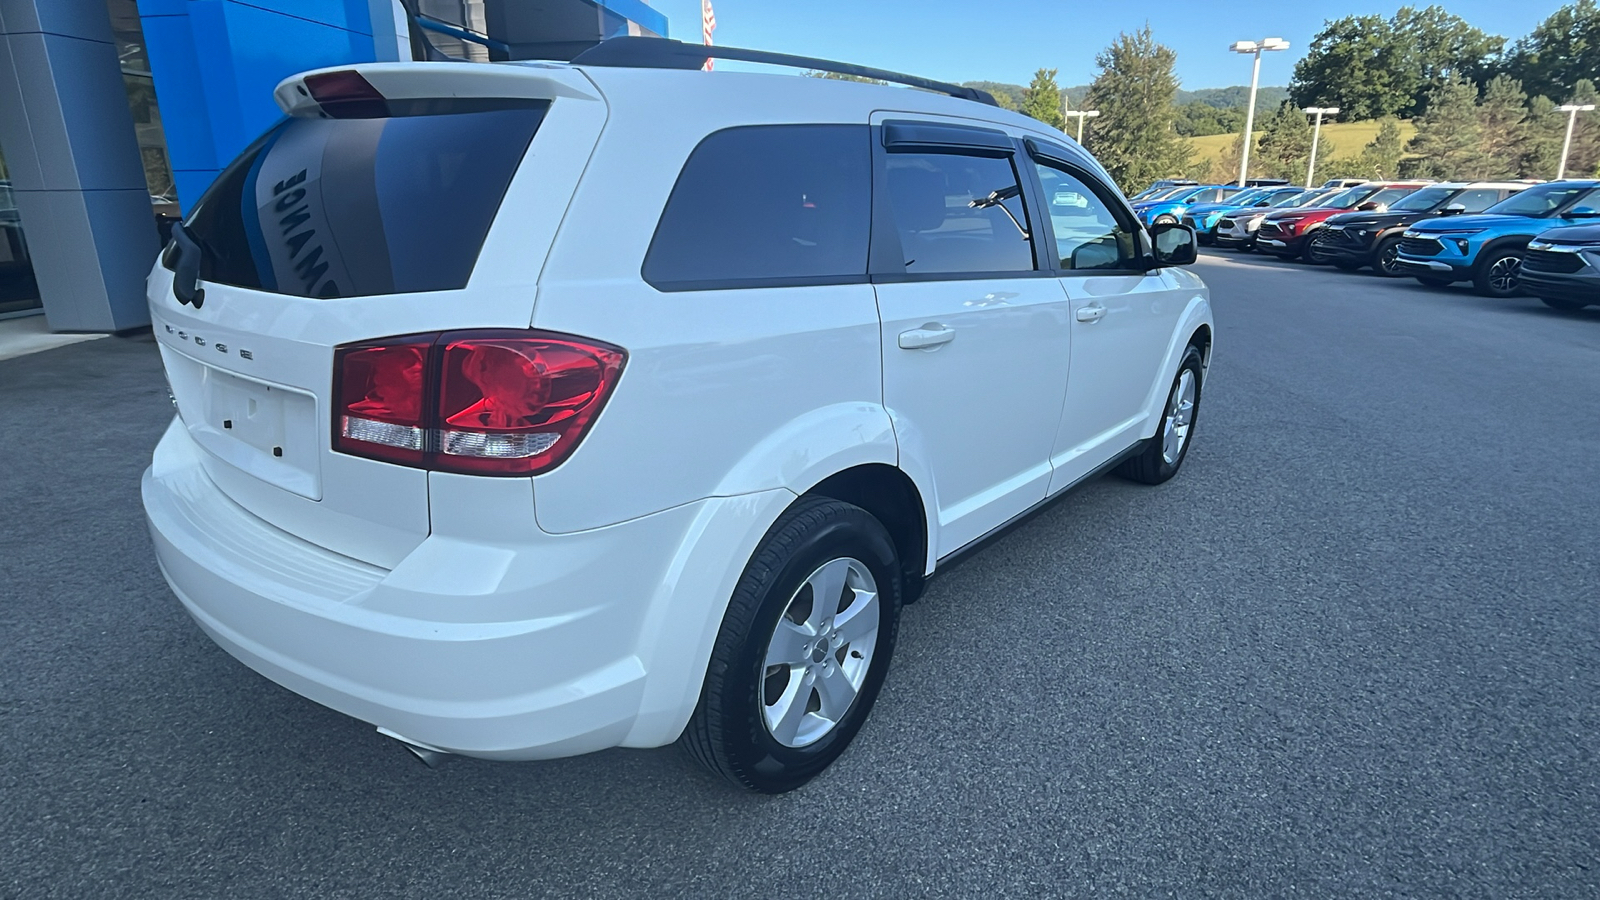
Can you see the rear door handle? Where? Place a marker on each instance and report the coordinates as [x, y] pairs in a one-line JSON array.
[[1091, 313], [928, 336]]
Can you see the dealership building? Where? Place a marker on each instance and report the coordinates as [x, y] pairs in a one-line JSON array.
[[115, 115]]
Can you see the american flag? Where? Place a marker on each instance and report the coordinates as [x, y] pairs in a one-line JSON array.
[[708, 24]]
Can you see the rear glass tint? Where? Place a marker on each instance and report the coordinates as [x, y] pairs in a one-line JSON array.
[[767, 205], [355, 207]]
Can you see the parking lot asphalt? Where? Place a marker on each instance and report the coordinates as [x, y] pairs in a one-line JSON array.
[[1353, 650]]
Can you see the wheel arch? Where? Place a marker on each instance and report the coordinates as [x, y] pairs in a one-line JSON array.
[[892, 497]]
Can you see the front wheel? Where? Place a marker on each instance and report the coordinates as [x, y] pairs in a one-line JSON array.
[[1314, 253], [1499, 274], [1386, 259], [1162, 455], [803, 649]]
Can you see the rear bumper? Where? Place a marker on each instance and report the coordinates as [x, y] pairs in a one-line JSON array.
[[523, 650]]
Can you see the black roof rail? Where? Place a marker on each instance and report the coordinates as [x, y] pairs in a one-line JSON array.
[[638, 52]]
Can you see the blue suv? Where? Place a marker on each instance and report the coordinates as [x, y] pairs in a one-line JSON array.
[[1203, 217], [1170, 209], [1487, 249]]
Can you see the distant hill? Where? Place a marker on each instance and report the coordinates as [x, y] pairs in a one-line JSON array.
[[1267, 98]]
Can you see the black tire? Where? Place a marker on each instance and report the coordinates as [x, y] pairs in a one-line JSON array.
[[1563, 304], [1429, 281], [1498, 273], [1165, 220], [727, 733], [1312, 253], [1149, 464], [1386, 257]]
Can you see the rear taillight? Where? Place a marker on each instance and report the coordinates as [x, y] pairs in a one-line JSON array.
[[480, 402]]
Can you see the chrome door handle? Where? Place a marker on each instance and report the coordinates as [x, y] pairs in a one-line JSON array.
[[1091, 313], [928, 336]]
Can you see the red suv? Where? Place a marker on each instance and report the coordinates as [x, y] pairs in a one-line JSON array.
[[1286, 233]]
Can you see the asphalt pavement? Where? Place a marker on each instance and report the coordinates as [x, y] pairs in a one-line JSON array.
[[1353, 650]]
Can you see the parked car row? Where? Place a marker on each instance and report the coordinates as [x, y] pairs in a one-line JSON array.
[[1505, 238]]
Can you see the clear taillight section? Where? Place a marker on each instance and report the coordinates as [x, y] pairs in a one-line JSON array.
[[479, 402]]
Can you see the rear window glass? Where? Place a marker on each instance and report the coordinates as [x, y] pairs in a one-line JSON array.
[[355, 207], [767, 205]]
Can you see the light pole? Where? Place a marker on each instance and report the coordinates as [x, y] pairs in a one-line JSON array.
[[1081, 114], [1572, 111], [1256, 48], [1316, 135]]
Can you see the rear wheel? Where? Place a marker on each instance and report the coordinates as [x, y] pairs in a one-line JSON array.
[[803, 649], [1163, 454], [1386, 259], [1499, 274], [1563, 304]]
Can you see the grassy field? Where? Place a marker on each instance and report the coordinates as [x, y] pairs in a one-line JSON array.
[[1348, 138]]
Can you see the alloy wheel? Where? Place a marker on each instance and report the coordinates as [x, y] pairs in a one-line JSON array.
[[1505, 274], [1388, 257], [1180, 415], [820, 653]]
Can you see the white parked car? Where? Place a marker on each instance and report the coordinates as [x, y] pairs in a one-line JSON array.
[[530, 409]]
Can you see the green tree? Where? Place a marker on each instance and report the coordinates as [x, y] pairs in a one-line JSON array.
[[1351, 64], [1135, 137], [1372, 67], [1563, 50], [1285, 147], [1447, 138], [1043, 99], [1502, 130], [1541, 144], [1380, 158], [1437, 46]]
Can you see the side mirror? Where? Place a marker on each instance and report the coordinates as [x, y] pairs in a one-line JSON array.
[[1583, 212], [1454, 209], [1173, 245], [1369, 206]]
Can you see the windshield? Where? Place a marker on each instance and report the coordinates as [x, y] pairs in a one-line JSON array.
[[1168, 193], [1245, 198], [1542, 201], [1424, 200], [1349, 198], [1303, 198]]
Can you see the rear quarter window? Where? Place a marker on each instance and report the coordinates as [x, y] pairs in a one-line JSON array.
[[767, 205], [363, 206]]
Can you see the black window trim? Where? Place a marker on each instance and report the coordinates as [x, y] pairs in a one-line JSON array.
[[886, 256], [776, 281], [1060, 158]]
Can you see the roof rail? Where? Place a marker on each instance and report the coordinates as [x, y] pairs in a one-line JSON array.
[[638, 52]]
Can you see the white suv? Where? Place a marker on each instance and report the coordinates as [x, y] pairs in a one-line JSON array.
[[530, 409]]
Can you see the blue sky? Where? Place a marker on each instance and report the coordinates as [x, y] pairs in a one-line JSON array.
[[1006, 40]]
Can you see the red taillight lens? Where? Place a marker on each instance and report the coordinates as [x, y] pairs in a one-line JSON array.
[[378, 391], [484, 402]]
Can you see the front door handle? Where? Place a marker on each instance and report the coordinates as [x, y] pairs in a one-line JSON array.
[[927, 337], [1091, 313]]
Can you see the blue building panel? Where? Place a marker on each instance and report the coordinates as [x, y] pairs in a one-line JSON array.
[[215, 63]]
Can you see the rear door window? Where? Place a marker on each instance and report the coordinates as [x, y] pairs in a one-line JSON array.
[[767, 205], [361, 206]]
